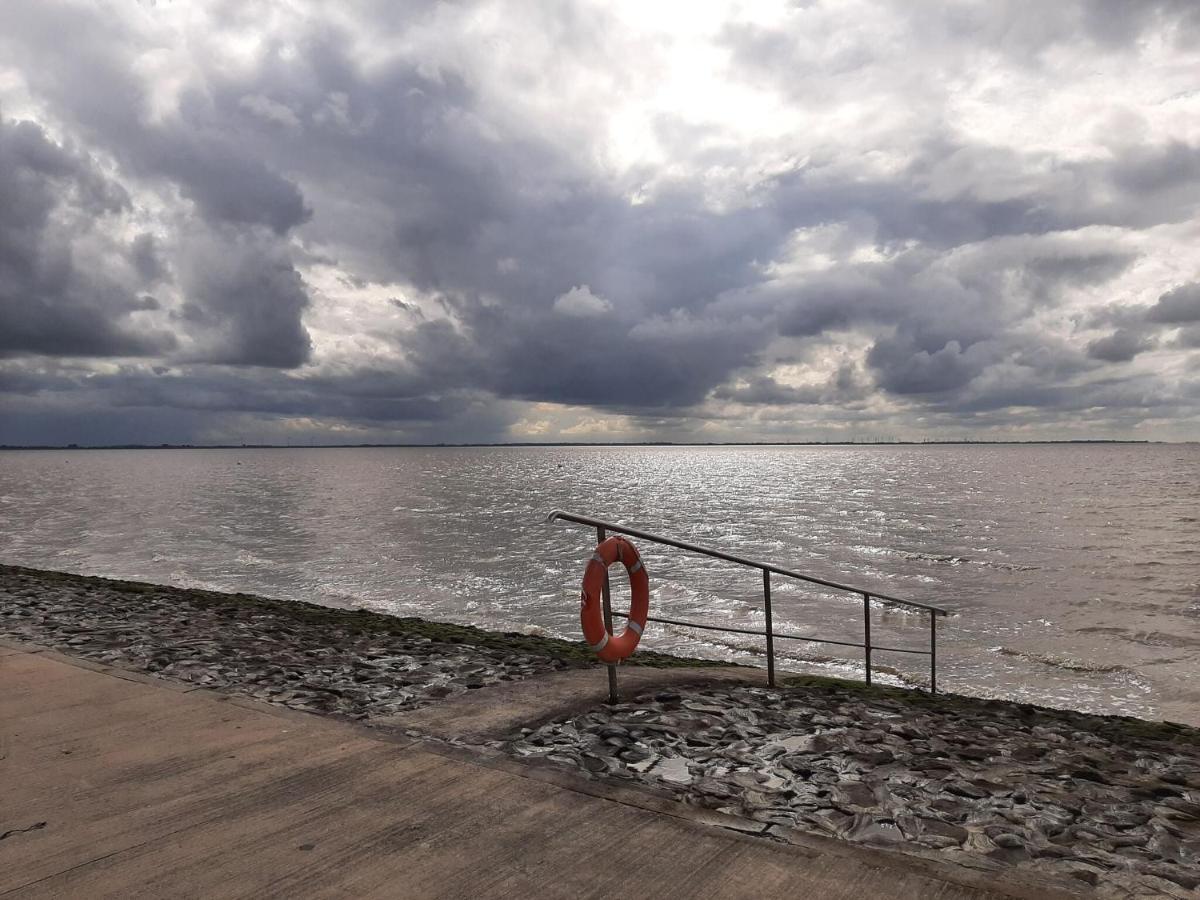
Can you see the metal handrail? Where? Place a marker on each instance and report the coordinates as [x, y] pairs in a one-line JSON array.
[[729, 557], [624, 614], [602, 528]]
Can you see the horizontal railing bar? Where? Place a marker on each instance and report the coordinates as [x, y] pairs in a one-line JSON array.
[[790, 637], [882, 649], [740, 560], [730, 630]]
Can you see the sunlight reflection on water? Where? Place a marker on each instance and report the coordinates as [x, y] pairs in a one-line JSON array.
[[1074, 568]]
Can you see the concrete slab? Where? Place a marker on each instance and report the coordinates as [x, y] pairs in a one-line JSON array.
[[166, 794]]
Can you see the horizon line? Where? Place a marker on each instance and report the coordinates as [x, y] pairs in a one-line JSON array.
[[467, 444]]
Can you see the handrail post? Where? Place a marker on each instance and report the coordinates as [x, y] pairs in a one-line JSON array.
[[602, 528], [867, 633], [932, 652], [770, 628], [606, 595]]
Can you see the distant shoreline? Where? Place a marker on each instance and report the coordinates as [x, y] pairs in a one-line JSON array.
[[577, 444]]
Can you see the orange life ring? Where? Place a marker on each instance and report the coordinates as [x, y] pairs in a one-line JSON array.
[[610, 648]]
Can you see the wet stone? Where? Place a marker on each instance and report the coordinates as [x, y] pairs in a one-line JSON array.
[[594, 763], [752, 780], [927, 785], [853, 793], [673, 770], [1008, 841], [249, 646], [1185, 879], [937, 827], [714, 787]]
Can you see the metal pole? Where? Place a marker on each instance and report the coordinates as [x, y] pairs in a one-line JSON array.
[[606, 594], [770, 629], [867, 633], [932, 653]]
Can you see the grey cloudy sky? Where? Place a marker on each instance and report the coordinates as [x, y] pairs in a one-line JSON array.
[[377, 221]]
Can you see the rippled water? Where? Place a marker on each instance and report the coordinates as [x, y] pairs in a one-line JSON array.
[[1072, 569]]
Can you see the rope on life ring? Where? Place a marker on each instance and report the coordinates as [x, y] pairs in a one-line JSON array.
[[614, 648]]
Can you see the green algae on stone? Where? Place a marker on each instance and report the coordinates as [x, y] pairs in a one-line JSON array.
[[359, 621]]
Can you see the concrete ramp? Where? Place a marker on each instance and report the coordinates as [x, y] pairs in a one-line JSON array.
[[115, 785]]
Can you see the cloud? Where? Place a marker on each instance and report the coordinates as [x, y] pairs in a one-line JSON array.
[[146, 256], [1120, 346], [244, 303], [61, 292], [436, 220], [1177, 306], [904, 367], [225, 185], [580, 301], [270, 110], [843, 386], [1189, 338]]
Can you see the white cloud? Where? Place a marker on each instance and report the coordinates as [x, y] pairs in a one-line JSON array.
[[269, 110], [580, 301]]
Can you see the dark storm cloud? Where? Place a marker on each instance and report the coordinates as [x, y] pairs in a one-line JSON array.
[[146, 257], [224, 184], [1139, 326], [51, 199], [189, 403], [245, 298], [843, 387], [1178, 306], [439, 201], [338, 144], [21, 381], [937, 199], [443, 203], [242, 292], [945, 324], [1120, 346], [364, 396], [79, 56], [904, 367], [670, 259], [762, 390], [594, 361]]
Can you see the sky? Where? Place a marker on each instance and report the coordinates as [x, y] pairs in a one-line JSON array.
[[348, 222]]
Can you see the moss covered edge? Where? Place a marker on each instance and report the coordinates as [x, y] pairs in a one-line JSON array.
[[1111, 726], [362, 621], [577, 654]]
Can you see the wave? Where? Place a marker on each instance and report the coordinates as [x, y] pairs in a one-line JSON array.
[[746, 646], [899, 674], [839, 665], [1061, 662], [794, 655], [960, 560], [1145, 638], [947, 558]]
